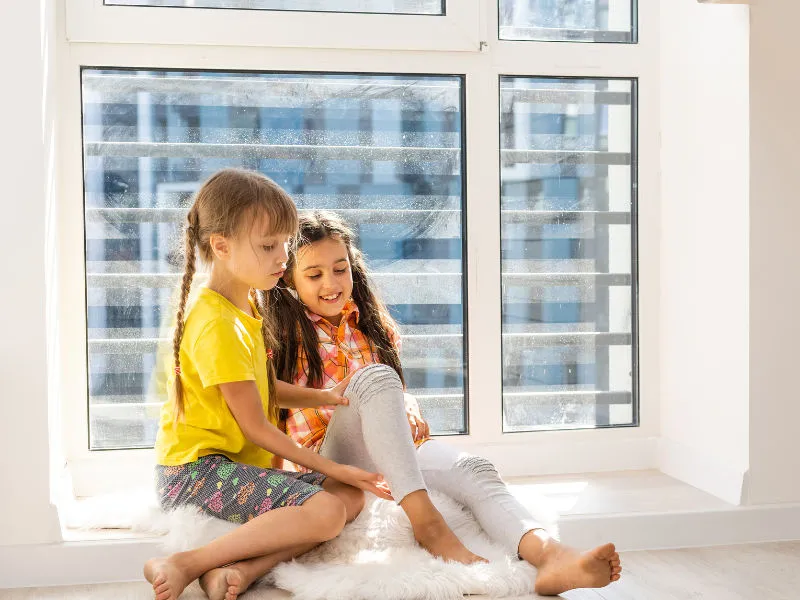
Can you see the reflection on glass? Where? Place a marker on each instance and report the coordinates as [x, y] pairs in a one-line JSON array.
[[383, 151], [397, 7], [568, 20], [569, 341]]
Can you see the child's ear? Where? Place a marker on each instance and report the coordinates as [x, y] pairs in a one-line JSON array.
[[219, 246]]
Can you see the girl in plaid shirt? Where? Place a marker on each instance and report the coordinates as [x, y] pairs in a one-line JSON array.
[[336, 328]]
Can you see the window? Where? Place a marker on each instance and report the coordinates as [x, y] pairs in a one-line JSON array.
[[383, 151], [568, 20], [568, 290], [411, 7], [505, 194]]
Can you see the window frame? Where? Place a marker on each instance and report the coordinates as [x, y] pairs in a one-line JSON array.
[[459, 29], [517, 454], [634, 248]]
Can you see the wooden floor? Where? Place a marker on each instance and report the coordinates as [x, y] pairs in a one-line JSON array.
[[752, 572]]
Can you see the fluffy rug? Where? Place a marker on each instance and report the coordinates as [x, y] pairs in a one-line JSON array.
[[374, 557]]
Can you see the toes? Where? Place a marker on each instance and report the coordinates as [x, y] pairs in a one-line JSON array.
[[605, 552]]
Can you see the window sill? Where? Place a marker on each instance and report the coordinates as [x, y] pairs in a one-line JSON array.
[[636, 509]]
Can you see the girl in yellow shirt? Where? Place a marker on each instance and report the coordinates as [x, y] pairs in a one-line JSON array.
[[217, 438]]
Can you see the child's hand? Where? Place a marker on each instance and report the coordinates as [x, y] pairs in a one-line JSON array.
[[335, 396], [419, 427], [364, 480]]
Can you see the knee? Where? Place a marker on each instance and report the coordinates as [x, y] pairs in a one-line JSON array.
[[476, 468], [328, 515], [373, 379]]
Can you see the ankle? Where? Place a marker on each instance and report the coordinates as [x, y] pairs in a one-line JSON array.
[[537, 546], [430, 528], [246, 575], [186, 563]]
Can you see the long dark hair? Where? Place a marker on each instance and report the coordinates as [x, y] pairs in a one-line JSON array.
[[226, 204], [298, 330]]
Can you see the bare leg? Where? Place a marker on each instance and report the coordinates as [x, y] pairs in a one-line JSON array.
[[228, 583], [319, 519], [431, 530], [351, 497], [561, 568]]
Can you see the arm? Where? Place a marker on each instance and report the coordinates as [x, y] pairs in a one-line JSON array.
[[295, 396], [244, 401]]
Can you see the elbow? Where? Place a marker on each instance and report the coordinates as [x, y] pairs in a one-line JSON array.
[[254, 433]]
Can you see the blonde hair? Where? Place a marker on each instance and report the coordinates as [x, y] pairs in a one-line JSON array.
[[226, 204]]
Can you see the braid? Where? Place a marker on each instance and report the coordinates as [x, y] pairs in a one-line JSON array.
[[190, 240], [269, 343]]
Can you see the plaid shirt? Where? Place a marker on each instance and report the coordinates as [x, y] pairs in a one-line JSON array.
[[343, 349]]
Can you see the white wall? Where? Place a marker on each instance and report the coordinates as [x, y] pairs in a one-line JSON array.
[[704, 264], [26, 64], [775, 253]]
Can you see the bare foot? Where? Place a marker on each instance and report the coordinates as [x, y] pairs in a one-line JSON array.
[[225, 583], [438, 539], [563, 568], [167, 577]]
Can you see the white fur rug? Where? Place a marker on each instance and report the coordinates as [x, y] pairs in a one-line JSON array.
[[374, 557]]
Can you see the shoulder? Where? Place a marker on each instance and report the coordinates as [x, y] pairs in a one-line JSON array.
[[211, 324]]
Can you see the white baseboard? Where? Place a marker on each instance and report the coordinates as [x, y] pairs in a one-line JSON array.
[[91, 562], [75, 563], [554, 456], [686, 529], [702, 471]]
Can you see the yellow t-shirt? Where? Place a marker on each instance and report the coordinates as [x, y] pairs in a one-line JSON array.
[[221, 344]]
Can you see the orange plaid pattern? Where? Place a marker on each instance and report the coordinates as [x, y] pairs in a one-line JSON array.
[[343, 349]]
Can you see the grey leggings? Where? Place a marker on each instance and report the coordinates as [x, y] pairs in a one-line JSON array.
[[373, 433]]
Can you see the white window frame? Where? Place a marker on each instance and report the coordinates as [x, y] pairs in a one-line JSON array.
[[516, 454], [458, 30]]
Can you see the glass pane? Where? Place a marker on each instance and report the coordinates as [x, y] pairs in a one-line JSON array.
[[397, 7], [384, 151], [569, 338], [568, 20]]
